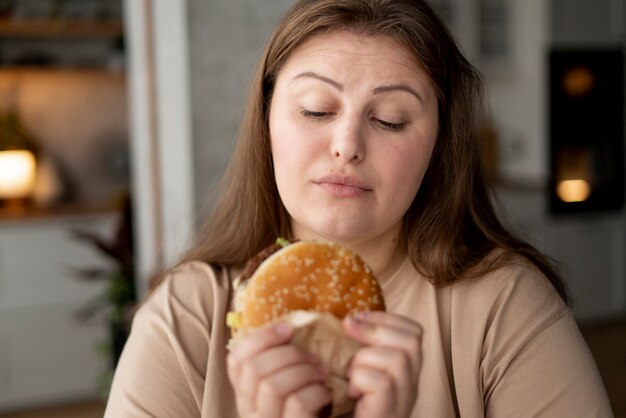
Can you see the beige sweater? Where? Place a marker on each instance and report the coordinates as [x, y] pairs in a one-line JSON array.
[[501, 346]]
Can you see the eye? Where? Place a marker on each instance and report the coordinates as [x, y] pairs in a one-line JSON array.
[[313, 115], [391, 126]]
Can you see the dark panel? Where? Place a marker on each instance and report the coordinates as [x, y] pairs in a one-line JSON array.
[[586, 130]]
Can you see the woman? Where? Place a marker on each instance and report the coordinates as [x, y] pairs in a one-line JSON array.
[[361, 129]]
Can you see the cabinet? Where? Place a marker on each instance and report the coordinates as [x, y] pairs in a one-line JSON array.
[[46, 354]]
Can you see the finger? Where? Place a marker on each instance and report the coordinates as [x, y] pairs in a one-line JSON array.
[[268, 362], [258, 340], [380, 335], [274, 389], [390, 319], [307, 401], [395, 363], [384, 335], [376, 390]]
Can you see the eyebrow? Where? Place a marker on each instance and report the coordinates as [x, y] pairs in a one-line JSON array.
[[310, 74], [377, 90], [399, 87]]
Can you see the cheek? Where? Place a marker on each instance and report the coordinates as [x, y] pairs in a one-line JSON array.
[[292, 144], [284, 146], [404, 169]]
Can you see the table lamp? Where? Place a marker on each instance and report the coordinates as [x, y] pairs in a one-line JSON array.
[[18, 165]]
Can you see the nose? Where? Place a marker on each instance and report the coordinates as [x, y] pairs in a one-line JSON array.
[[348, 143]]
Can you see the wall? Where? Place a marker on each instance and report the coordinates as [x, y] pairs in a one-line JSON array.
[[517, 94], [226, 38]]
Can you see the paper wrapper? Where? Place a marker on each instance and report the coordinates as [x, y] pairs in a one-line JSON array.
[[322, 334]]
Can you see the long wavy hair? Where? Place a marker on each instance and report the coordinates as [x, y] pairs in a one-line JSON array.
[[451, 226]]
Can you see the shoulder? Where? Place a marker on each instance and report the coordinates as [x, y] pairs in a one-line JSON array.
[[189, 278], [516, 287], [194, 288], [176, 333], [523, 342], [504, 311]]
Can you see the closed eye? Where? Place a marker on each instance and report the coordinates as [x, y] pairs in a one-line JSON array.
[[389, 125], [313, 115]]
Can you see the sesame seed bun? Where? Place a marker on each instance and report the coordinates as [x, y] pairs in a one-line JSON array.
[[311, 286], [310, 276]]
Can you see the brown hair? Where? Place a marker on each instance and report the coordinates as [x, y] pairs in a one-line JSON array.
[[451, 225]]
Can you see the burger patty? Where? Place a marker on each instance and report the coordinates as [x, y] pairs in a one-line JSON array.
[[258, 259]]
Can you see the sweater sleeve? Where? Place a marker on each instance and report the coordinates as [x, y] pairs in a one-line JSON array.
[[162, 369]]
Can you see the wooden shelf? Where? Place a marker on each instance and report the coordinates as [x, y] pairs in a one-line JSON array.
[[61, 29], [25, 213]]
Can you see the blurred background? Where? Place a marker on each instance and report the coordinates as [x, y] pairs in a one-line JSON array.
[[117, 118]]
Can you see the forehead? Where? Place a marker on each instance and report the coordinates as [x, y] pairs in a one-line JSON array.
[[343, 49]]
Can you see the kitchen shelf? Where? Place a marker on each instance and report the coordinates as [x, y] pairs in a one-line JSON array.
[[61, 29], [21, 214]]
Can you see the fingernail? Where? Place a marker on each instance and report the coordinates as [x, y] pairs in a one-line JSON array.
[[361, 315], [360, 326], [357, 321], [283, 329]]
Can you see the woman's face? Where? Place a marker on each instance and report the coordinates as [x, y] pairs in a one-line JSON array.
[[353, 122]]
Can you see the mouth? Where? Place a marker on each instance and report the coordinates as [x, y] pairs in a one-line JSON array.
[[343, 186]]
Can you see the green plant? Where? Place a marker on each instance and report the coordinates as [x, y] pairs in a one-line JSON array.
[[118, 301]]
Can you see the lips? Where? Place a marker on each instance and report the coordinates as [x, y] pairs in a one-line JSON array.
[[343, 186]]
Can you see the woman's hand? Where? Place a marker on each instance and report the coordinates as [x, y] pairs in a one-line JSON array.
[[273, 378], [384, 374]]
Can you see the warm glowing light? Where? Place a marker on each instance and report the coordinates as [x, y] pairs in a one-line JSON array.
[[17, 174], [578, 81], [573, 190]]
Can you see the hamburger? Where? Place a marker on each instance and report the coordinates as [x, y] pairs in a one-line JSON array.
[[313, 286]]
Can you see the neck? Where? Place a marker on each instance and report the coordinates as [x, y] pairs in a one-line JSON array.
[[383, 257]]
